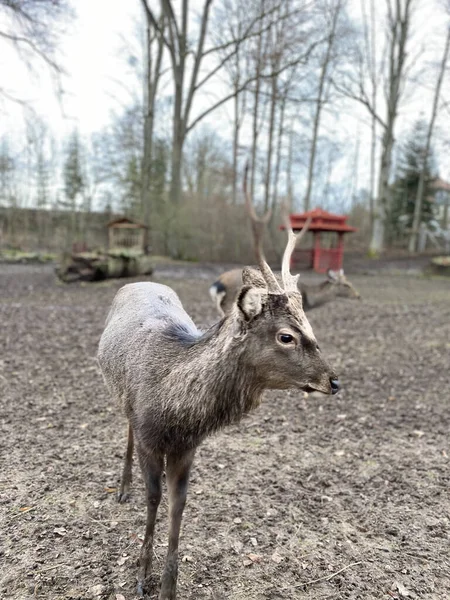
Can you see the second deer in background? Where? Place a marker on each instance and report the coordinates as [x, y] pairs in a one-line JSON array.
[[224, 291]]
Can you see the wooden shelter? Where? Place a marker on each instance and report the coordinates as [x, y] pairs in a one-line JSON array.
[[327, 251], [124, 233]]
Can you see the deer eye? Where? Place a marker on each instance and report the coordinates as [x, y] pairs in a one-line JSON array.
[[286, 338]]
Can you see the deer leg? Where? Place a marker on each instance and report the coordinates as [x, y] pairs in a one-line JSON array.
[[177, 477], [124, 491], [152, 467]]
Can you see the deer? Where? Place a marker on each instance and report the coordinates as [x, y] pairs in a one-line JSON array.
[[224, 291], [178, 385]]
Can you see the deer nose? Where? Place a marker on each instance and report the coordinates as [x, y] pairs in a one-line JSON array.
[[335, 386]]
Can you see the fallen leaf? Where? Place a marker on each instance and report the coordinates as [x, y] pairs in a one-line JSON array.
[[110, 490], [26, 508], [276, 558], [254, 557], [247, 562]]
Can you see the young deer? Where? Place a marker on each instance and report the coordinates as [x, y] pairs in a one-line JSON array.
[[178, 385], [224, 291]]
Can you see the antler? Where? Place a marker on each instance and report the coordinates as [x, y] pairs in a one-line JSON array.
[[258, 224], [290, 281]]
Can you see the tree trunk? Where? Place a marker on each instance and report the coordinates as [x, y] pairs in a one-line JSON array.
[[256, 105], [273, 102], [319, 106], [379, 217], [399, 29], [421, 187], [290, 160], [236, 133]]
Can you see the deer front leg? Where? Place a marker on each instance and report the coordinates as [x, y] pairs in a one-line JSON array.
[[152, 468], [177, 477], [124, 491]]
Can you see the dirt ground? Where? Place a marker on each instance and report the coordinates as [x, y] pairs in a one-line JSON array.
[[323, 498]]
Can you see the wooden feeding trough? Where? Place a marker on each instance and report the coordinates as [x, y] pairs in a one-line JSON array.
[[327, 251], [126, 255], [127, 234]]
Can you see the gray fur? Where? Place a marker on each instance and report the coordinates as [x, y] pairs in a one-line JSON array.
[[178, 385]]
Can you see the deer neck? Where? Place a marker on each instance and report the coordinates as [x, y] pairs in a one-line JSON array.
[[216, 387], [316, 295]]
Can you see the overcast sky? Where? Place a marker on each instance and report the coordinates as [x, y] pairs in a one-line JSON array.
[[99, 79]]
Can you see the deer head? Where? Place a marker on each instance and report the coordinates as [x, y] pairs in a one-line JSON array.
[[343, 286], [281, 346]]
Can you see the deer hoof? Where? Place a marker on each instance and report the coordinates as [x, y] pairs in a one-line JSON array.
[[123, 496]]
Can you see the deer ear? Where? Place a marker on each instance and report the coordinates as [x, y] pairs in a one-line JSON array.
[[332, 275], [253, 277], [250, 302]]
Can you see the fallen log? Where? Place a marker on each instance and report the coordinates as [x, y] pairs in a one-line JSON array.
[[93, 266]]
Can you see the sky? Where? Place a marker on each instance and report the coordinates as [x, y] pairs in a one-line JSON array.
[[94, 54]]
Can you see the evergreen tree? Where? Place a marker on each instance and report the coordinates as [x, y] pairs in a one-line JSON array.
[[404, 189], [73, 170], [160, 165], [74, 182], [131, 199]]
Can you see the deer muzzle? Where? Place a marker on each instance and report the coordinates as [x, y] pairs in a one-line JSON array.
[[335, 385]]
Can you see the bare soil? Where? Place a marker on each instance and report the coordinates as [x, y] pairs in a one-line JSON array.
[[317, 498]]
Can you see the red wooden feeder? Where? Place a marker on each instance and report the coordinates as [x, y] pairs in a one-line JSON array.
[[319, 257]]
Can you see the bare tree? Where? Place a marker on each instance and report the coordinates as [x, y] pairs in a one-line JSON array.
[[153, 58], [421, 187], [33, 27], [335, 11], [187, 84], [399, 24], [398, 20], [373, 72]]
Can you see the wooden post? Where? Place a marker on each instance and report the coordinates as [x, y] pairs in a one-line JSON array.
[[316, 252], [340, 250]]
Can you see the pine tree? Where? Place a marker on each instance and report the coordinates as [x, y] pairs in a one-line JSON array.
[[73, 171], [74, 181], [405, 186]]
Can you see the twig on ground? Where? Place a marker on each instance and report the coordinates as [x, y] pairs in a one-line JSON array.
[[23, 512], [44, 569], [328, 577]]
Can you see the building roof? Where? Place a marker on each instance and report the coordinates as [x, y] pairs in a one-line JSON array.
[[126, 223], [439, 184], [321, 220]]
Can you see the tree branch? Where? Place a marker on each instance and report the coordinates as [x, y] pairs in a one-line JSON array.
[[246, 83], [22, 40], [151, 17], [198, 59]]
